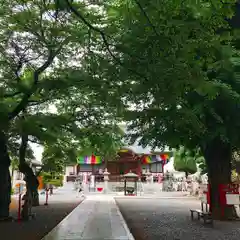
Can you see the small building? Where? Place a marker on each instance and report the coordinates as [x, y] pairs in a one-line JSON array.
[[70, 172], [17, 176]]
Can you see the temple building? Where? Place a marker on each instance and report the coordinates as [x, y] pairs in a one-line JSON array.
[[132, 158], [127, 160]]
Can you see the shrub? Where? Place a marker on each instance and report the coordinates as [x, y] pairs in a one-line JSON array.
[[55, 182], [46, 177]]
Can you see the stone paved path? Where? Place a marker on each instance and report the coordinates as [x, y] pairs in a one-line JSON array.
[[154, 219], [97, 218], [47, 217]]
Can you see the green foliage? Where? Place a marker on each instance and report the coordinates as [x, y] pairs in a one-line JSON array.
[[51, 178], [45, 64], [14, 164], [55, 157], [167, 67], [104, 141], [202, 165], [13, 148], [101, 140], [188, 160], [46, 176], [56, 182], [179, 72], [185, 161]]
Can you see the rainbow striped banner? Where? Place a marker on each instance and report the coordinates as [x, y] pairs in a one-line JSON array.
[[163, 158], [147, 160], [90, 160]]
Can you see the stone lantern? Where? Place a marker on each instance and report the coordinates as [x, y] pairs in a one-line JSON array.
[[149, 177], [127, 178], [106, 179]]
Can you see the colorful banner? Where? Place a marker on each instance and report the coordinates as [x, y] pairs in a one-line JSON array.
[[147, 160], [163, 158], [90, 160]]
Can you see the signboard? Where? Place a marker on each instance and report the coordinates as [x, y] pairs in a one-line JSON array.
[[227, 189], [224, 191], [232, 199]]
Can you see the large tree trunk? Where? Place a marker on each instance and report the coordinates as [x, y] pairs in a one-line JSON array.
[[35, 194], [5, 179], [31, 196], [218, 159]]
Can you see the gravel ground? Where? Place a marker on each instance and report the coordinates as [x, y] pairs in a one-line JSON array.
[[47, 217], [169, 219]]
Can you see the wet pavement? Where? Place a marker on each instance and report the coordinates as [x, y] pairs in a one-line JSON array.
[[169, 218]]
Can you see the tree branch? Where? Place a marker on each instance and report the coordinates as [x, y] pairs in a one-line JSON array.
[[23, 103], [10, 95], [90, 26], [23, 147], [104, 38], [39, 172], [146, 16]]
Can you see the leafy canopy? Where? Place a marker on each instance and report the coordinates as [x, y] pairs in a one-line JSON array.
[[43, 62], [185, 160], [179, 71]]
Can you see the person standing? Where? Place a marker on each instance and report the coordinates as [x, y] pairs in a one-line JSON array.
[[80, 189]]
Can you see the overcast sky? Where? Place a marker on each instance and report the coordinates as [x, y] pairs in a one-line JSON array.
[[38, 150]]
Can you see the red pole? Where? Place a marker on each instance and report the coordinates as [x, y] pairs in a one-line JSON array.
[[46, 203], [209, 197], [19, 205]]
